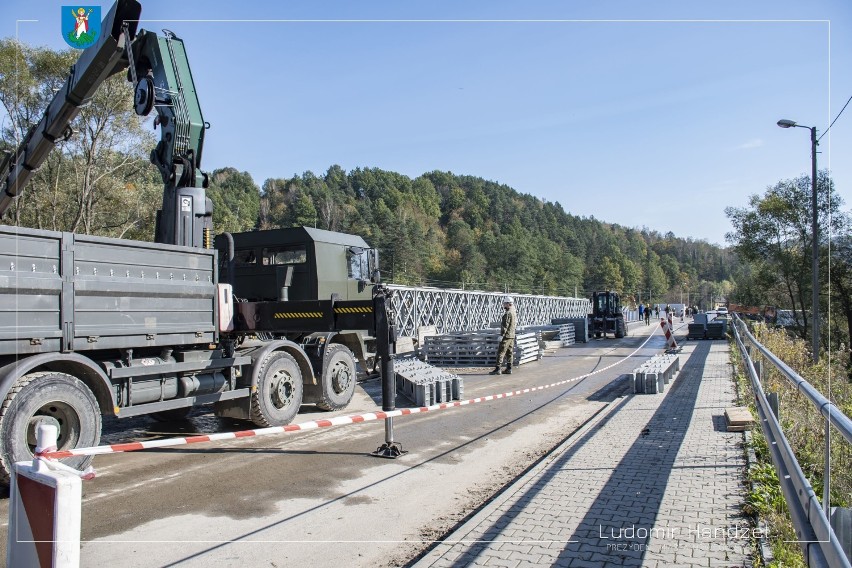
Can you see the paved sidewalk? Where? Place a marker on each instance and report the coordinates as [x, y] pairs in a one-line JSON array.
[[655, 480]]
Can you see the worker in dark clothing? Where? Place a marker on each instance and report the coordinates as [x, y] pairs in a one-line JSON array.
[[507, 336]]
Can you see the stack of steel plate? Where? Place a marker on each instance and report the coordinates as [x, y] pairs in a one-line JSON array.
[[477, 349]]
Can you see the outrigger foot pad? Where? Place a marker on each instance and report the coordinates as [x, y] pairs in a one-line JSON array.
[[389, 450]]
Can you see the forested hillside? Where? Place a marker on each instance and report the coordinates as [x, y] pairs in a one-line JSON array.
[[437, 229], [464, 231]]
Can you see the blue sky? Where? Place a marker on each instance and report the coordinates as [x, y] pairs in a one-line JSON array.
[[656, 114]]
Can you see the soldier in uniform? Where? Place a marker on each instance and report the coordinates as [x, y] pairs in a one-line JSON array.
[[507, 336]]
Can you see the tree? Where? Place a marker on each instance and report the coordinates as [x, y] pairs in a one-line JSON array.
[[776, 229], [840, 275], [236, 201], [97, 182], [605, 275]]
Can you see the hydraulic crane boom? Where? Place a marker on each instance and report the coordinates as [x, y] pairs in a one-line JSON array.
[[159, 70]]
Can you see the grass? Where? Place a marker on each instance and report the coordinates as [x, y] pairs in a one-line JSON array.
[[804, 429], [764, 499]]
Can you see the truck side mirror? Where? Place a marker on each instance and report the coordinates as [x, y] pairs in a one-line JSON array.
[[373, 266]]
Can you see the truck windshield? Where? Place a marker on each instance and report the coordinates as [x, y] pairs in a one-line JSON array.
[[358, 267]]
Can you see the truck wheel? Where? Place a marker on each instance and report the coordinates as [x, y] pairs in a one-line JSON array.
[[338, 377], [48, 398], [619, 329], [278, 396]]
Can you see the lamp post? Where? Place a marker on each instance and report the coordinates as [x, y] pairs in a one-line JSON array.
[[784, 123]]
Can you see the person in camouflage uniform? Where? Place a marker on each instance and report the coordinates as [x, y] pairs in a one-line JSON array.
[[507, 336]]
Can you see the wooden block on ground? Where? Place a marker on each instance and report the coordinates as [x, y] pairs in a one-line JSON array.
[[738, 418]]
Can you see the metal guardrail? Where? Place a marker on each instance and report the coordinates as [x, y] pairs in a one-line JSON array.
[[819, 544], [464, 310]]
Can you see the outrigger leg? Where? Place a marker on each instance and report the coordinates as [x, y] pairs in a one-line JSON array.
[[385, 343]]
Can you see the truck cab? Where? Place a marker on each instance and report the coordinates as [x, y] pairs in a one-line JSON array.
[[302, 263]]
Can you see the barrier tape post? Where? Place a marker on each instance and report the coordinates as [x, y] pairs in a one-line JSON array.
[[667, 330], [44, 510]]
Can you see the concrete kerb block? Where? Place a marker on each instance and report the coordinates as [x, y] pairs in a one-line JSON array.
[[638, 382], [458, 388], [44, 512], [654, 382], [423, 395], [652, 376]]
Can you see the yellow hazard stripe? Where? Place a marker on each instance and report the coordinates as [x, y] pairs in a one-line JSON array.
[[291, 315], [363, 310]]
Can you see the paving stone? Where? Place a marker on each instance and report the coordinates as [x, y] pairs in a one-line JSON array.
[[652, 473]]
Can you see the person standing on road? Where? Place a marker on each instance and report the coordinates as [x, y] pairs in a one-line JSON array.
[[648, 315], [507, 336], [641, 311]]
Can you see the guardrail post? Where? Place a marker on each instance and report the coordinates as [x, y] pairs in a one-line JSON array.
[[841, 524], [774, 404], [826, 476]]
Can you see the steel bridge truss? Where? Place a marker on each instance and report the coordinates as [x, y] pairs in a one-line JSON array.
[[462, 310]]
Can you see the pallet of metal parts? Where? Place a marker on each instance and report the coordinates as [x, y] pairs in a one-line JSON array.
[[478, 349]]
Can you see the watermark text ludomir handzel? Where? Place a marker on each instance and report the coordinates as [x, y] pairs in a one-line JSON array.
[[699, 531]]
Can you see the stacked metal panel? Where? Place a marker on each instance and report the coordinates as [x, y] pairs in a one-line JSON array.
[[652, 375], [581, 327], [425, 384], [566, 334], [477, 349]]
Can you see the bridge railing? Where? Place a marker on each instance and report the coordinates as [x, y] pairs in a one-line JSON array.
[[820, 545], [465, 310]]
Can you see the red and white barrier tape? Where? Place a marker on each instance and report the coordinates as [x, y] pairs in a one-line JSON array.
[[45, 456], [314, 424]]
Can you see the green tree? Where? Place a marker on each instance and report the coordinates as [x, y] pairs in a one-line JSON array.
[[98, 181], [775, 228], [838, 266], [304, 212], [605, 275], [236, 201]]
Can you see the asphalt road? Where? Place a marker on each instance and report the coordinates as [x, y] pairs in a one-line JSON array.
[[319, 498]]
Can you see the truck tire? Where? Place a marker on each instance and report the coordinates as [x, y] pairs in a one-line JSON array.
[[276, 400], [338, 377], [51, 398]]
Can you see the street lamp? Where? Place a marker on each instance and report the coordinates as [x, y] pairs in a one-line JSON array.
[[784, 123]]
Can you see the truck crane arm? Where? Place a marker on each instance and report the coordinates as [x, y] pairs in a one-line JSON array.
[[96, 64], [159, 71]]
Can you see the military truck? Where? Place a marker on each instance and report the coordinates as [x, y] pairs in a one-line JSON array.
[[606, 316], [91, 326]]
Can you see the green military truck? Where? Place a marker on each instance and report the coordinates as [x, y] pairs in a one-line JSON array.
[[93, 326]]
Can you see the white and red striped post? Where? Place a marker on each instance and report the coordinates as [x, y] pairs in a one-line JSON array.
[[667, 330], [44, 511]]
